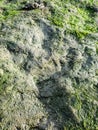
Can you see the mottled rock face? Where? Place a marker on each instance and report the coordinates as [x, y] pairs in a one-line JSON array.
[[48, 80]]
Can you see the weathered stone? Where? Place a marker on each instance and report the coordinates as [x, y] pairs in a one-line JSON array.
[[52, 82]]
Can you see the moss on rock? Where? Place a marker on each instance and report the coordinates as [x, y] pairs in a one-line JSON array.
[[48, 80]]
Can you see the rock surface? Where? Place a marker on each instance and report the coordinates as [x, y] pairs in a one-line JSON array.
[[48, 79]]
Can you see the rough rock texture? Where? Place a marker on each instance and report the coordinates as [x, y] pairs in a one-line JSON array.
[[49, 79]]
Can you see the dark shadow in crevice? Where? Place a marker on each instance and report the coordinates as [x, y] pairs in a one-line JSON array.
[[56, 99]]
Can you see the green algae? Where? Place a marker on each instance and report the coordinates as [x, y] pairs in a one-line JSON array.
[[76, 17], [8, 10], [76, 20], [5, 80]]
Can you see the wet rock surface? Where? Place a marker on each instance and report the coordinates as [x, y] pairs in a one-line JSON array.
[[48, 81]]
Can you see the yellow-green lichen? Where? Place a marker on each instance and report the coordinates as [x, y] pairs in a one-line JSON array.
[[73, 17]]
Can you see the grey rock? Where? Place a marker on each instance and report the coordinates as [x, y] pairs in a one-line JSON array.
[[49, 80]]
